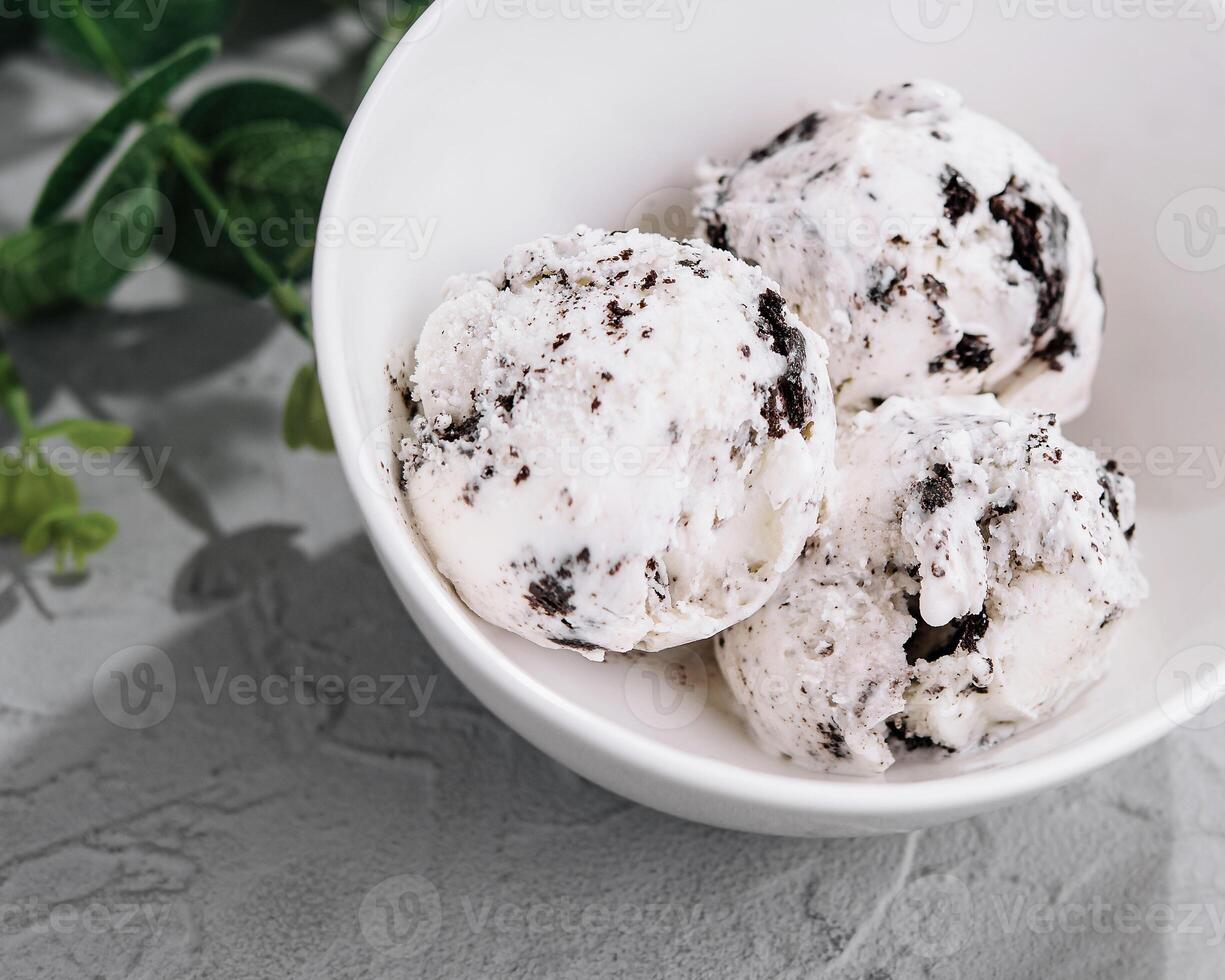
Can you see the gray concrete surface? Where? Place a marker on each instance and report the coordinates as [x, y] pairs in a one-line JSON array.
[[420, 837]]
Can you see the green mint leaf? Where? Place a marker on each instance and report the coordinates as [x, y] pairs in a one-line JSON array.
[[88, 534], [36, 270], [29, 488], [49, 525], [90, 435], [304, 421], [13, 399], [274, 175], [139, 102], [140, 33], [227, 107], [123, 219], [268, 151]]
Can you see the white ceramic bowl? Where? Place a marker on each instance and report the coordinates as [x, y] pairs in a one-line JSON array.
[[498, 121]]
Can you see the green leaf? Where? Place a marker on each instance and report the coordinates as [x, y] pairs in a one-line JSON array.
[[123, 220], [227, 107], [90, 435], [29, 488], [36, 270], [88, 534], [268, 150], [13, 399], [70, 533], [274, 175], [142, 99], [305, 421], [39, 535], [140, 32]]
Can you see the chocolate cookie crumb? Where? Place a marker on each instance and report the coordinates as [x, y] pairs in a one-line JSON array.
[[550, 595], [960, 198], [937, 490]]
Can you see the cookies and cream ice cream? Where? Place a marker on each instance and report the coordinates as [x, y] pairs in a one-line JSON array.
[[964, 584], [621, 441], [933, 248]]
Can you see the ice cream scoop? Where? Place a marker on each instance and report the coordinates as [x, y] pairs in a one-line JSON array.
[[933, 248], [964, 583], [621, 441]]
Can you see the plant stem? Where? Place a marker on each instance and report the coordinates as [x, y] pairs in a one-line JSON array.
[[284, 295], [183, 151], [13, 398], [98, 44]]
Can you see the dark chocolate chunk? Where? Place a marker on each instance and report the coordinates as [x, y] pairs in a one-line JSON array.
[[550, 595], [1043, 256], [883, 282], [960, 198], [716, 234], [805, 129], [1061, 343], [573, 643], [937, 490], [617, 314], [972, 353], [465, 430], [788, 400]]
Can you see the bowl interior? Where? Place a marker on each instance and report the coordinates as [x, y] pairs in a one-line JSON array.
[[493, 124]]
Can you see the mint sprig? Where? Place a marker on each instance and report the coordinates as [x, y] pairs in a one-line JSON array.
[[39, 503], [229, 188]]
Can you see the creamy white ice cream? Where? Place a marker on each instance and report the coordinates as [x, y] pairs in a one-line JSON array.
[[621, 441], [933, 248], [963, 584]]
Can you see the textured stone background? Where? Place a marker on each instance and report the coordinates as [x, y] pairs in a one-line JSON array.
[[307, 841]]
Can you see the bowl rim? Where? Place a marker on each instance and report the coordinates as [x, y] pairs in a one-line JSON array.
[[473, 656]]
